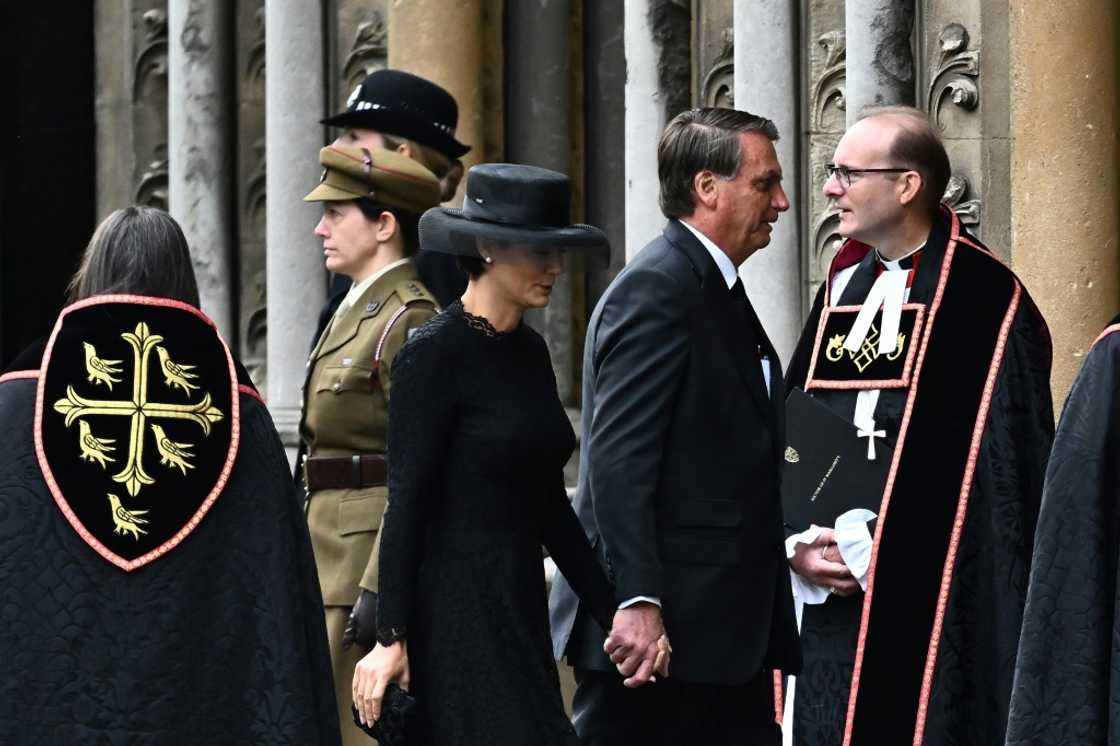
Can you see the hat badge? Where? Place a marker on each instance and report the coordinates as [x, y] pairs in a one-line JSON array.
[[354, 96]]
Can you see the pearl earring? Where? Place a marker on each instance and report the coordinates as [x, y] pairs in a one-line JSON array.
[[488, 259]]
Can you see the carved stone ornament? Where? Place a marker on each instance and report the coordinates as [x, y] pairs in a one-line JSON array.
[[956, 192], [254, 65], [151, 63], [367, 53], [718, 88], [829, 89], [255, 195], [957, 75], [826, 236], [152, 189]]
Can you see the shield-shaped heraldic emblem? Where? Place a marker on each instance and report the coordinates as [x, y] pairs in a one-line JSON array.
[[136, 423]]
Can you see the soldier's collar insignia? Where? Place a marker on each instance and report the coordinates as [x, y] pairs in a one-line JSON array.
[[136, 423], [834, 366]]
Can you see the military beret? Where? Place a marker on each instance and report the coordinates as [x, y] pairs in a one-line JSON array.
[[383, 176]]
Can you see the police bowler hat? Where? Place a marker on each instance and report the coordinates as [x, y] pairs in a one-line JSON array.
[[398, 103]]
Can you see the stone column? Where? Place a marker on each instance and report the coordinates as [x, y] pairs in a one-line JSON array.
[[447, 43], [606, 138], [200, 151], [645, 118], [1065, 218], [880, 63], [766, 83], [295, 91], [538, 109]]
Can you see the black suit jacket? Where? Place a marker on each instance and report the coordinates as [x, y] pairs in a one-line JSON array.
[[680, 469]]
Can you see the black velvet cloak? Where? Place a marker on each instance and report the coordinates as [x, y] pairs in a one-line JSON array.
[[219, 639], [927, 655], [1067, 678]]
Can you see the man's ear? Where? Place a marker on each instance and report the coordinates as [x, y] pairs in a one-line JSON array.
[[912, 184], [706, 188]]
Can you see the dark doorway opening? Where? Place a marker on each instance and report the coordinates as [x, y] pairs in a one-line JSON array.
[[47, 166]]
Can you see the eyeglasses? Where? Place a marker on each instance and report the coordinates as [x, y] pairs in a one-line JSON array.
[[843, 174]]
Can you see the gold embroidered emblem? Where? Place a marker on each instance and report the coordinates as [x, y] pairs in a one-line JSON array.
[[99, 370], [792, 455], [94, 449], [139, 409], [126, 521], [868, 351]]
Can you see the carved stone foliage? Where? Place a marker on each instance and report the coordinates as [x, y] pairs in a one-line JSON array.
[[823, 114], [368, 51], [713, 53], [149, 103], [718, 86], [254, 58], [959, 197], [359, 32], [152, 188], [956, 78], [828, 91], [251, 195], [150, 67]]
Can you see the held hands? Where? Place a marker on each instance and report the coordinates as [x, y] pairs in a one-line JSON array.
[[821, 564], [373, 673], [637, 644]]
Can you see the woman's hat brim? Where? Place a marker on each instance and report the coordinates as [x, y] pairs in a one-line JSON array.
[[446, 230]]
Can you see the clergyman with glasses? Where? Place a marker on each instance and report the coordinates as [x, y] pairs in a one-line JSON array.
[[921, 337]]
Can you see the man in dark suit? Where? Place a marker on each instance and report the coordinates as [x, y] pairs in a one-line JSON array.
[[682, 441]]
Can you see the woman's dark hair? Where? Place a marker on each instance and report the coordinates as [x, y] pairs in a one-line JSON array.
[[472, 265], [408, 223], [137, 250]]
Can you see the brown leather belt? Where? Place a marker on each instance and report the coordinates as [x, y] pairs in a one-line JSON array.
[[345, 472]]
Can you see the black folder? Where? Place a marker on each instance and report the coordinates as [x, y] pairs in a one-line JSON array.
[[826, 470]]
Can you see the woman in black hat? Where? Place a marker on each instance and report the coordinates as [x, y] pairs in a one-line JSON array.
[[399, 111], [479, 440]]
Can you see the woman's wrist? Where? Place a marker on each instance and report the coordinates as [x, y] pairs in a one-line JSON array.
[[390, 635]]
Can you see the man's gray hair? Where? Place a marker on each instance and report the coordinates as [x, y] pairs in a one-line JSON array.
[[705, 139]]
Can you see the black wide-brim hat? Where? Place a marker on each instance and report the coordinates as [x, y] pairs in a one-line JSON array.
[[510, 203], [398, 103]]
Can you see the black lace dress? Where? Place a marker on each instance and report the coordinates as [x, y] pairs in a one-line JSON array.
[[477, 442]]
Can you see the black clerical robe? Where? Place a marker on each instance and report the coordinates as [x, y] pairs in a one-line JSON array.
[[186, 612], [927, 654], [1068, 672]]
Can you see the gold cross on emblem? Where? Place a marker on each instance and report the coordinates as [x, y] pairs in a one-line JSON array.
[[139, 409], [868, 351]]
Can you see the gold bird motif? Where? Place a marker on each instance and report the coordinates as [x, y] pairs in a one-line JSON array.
[[171, 453], [126, 521], [100, 371], [174, 373], [94, 448]]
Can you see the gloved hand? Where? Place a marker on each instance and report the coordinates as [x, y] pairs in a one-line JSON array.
[[361, 627]]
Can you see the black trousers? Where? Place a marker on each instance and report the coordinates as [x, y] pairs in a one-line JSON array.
[[670, 713]]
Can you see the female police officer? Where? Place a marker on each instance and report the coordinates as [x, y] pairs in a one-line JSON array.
[[371, 202]]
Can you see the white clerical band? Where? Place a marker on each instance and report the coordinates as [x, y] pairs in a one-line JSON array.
[[888, 292]]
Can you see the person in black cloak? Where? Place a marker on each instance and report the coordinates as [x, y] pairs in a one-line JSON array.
[[909, 631], [1069, 654], [157, 584]]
